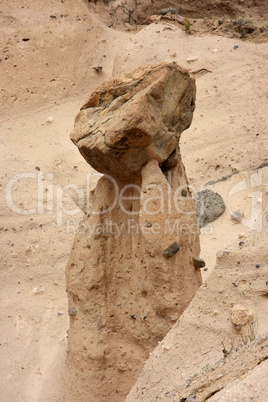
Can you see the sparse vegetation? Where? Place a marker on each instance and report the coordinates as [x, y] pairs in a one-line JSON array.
[[187, 24]]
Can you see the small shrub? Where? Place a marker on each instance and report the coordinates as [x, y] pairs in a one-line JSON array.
[[187, 24]]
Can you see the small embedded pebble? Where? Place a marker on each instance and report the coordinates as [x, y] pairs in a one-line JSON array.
[[166, 347], [98, 69], [240, 315], [171, 250], [234, 283], [257, 265], [121, 368], [198, 262], [38, 291], [237, 216], [60, 313], [184, 193], [206, 269], [72, 311], [241, 243], [192, 59], [167, 28], [49, 119], [235, 46]]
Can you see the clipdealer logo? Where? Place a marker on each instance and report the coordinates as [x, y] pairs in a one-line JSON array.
[[50, 198]]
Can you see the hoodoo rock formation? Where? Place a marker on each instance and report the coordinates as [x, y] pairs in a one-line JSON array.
[[131, 271]]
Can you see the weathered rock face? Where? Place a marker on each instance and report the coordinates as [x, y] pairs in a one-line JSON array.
[[131, 271], [136, 117]]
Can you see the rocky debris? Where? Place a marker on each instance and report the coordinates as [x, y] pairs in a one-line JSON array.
[[171, 250], [165, 11], [197, 9], [125, 289], [198, 262], [111, 131], [209, 206], [166, 14], [244, 27]]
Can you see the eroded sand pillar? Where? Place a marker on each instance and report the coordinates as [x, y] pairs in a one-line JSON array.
[[131, 273]]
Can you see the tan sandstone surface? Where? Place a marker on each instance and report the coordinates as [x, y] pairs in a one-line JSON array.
[[46, 75]]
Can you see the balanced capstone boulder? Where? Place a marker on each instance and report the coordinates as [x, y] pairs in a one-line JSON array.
[[135, 117]]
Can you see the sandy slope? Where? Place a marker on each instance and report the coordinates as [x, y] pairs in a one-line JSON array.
[[52, 77], [56, 66]]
